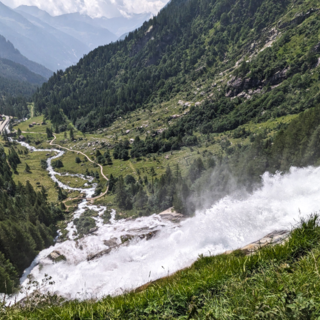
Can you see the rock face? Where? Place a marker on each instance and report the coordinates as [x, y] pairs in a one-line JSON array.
[[299, 18], [56, 256], [238, 85], [171, 215], [273, 238], [125, 241]]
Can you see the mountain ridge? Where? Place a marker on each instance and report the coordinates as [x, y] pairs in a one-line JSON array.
[[8, 51]]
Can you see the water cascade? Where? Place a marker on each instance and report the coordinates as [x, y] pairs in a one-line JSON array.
[[120, 257]]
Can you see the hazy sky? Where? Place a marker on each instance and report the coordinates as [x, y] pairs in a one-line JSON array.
[[94, 8]]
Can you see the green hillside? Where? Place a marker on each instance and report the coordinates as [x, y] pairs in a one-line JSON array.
[[208, 88], [17, 80], [201, 86], [209, 52]]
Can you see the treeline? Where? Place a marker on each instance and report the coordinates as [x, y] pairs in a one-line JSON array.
[[14, 106], [212, 177], [156, 61], [27, 223]]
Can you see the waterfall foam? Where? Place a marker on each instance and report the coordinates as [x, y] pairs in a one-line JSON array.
[[279, 203]]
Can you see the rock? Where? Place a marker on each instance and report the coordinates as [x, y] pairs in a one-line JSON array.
[[126, 237], [56, 256], [273, 238], [93, 229], [149, 235], [111, 242], [99, 254], [298, 19]]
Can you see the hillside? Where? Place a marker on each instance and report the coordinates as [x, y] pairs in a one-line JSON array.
[[198, 133], [16, 79], [194, 54], [8, 51]]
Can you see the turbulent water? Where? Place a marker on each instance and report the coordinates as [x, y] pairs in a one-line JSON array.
[[229, 224]]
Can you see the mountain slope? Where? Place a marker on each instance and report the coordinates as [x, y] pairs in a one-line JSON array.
[[16, 79], [80, 27], [40, 43], [8, 51], [186, 45]]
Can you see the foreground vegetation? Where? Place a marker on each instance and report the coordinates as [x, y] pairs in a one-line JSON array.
[[278, 282]]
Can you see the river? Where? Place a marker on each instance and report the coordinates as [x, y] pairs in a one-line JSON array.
[[230, 223]]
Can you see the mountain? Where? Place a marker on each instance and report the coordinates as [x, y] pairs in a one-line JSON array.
[[80, 27], [172, 56], [17, 80], [8, 51], [121, 25], [40, 42]]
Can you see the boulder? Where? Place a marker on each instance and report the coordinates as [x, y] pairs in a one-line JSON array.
[[56, 256], [93, 229]]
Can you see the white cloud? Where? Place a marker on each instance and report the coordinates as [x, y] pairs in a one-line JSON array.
[[94, 8]]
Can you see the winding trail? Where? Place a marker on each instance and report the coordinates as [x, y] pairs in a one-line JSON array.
[[79, 152]]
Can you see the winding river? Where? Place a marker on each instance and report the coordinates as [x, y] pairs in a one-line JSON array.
[[103, 263]]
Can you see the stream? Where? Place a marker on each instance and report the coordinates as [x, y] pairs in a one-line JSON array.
[[124, 254]]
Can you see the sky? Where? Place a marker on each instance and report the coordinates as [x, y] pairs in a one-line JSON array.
[[94, 8]]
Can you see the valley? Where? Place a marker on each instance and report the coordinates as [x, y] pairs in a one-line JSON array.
[[170, 175]]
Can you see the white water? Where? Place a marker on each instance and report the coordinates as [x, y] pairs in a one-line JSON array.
[[228, 224]]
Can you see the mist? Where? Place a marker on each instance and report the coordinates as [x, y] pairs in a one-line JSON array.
[[232, 222]]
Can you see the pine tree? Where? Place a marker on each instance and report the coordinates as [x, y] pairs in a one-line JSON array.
[[27, 169]]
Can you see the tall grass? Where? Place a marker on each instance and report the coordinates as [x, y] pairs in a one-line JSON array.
[[278, 282]]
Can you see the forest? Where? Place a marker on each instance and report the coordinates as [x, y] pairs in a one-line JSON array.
[[27, 223], [187, 40]]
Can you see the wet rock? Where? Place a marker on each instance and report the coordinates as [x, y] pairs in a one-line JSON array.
[[149, 235], [99, 254], [56, 256], [93, 229], [111, 242], [273, 238], [126, 237]]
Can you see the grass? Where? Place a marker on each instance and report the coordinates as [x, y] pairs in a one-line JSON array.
[[279, 282], [154, 117], [37, 177]]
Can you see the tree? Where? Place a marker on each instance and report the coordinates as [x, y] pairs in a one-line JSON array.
[[71, 134], [111, 183], [129, 179], [27, 168], [49, 133], [78, 160], [19, 132], [122, 198]]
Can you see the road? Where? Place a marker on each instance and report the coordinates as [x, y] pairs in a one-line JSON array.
[[4, 123], [79, 152]]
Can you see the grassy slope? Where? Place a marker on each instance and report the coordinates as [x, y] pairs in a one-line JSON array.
[[280, 282], [183, 157]]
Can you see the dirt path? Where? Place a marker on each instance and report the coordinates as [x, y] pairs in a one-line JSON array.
[[79, 152]]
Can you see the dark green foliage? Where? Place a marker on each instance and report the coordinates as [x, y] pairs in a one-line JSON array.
[[153, 62], [122, 197], [57, 164], [26, 224], [49, 133], [43, 164], [78, 160], [120, 151], [84, 224]]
